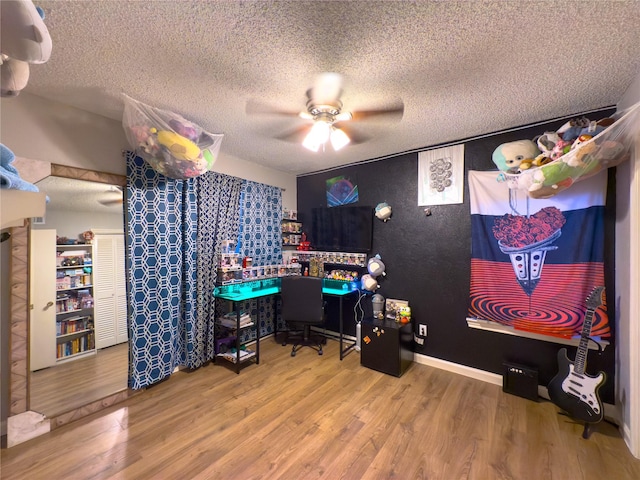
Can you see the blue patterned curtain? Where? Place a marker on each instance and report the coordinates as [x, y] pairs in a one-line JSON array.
[[161, 270], [218, 198], [260, 238]]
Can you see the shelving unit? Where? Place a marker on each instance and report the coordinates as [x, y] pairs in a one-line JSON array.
[[291, 232], [75, 329], [229, 347]]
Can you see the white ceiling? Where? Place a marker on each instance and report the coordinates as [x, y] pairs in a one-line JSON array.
[[460, 68]]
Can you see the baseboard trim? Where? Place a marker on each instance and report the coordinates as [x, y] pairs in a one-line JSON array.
[[471, 372]]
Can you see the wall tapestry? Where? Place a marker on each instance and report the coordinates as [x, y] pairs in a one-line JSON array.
[[441, 176], [260, 238], [218, 203], [161, 270], [533, 261], [341, 191]]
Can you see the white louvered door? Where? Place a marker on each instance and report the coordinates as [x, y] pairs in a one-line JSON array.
[[122, 331], [110, 290]]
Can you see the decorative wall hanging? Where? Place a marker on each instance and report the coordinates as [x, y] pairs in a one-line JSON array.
[[441, 176], [533, 262], [341, 191]]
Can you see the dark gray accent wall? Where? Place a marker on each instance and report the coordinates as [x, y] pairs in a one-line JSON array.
[[428, 260]]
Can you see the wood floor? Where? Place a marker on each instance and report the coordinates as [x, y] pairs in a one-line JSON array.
[[73, 384], [316, 417]]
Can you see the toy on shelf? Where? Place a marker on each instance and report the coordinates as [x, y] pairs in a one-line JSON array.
[[578, 150], [170, 144]]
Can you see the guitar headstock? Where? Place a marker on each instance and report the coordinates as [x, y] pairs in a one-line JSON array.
[[594, 300]]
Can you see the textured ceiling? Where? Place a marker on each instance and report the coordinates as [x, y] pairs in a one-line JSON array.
[[461, 68], [72, 195]]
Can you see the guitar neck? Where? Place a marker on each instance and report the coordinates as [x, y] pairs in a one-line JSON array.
[[583, 346]]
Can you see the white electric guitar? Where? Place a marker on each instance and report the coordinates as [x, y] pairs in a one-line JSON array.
[[573, 390]]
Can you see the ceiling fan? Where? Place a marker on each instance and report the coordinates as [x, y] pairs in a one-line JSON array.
[[112, 196], [325, 110]]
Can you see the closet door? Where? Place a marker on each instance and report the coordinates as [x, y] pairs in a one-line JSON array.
[[104, 291], [122, 330], [42, 299], [110, 290]]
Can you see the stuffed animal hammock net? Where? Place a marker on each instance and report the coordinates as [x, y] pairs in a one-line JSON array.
[[607, 149], [170, 144]]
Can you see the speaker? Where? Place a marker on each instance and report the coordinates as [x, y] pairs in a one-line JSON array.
[[520, 380]]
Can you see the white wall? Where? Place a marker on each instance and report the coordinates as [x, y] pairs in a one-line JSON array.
[[70, 224], [33, 127], [627, 287], [40, 129]]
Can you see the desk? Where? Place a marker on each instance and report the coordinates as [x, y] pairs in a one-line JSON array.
[[271, 286]]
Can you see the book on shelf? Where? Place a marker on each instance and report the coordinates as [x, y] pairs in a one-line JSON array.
[[233, 357], [230, 319], [232, 323]]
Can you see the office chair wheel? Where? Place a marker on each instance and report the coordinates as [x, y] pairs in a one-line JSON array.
[[320, 352], [293, 353]]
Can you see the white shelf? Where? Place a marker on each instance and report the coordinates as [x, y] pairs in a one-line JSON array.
[[71, 311], [74, 288], [76, 355], [69, 335]]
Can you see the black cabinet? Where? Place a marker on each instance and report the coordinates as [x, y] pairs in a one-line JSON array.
[[386, 346]]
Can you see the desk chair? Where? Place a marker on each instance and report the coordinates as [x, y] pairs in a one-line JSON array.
[[302, 307]]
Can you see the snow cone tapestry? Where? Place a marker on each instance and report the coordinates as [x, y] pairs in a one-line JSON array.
[[534, 261]]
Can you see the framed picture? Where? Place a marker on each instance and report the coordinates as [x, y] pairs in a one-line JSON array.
[[441, 176], [391, 307], [341, 191]]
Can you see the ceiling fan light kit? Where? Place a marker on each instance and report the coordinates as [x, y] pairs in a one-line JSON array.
[[324, 108]]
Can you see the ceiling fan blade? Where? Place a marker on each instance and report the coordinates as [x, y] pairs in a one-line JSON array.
[[108, 203], [391, 113], [255, 107], [355, 136], [297, 135]]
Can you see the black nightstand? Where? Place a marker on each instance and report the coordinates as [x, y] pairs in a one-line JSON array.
[[389, 352]]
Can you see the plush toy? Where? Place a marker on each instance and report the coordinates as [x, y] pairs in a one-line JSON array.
[[547, 141], [180, 147], [24, 35], [509, 156], [185, 129], [369, 283], [571, 130], [376, 267], [383, 211], [403, 314], [24, 39], [562, 147], [15, 75]]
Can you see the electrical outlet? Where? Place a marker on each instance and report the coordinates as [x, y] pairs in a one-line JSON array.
[[422, 330]]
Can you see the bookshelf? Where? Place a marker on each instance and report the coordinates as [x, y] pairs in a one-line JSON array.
[[75, 328]]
